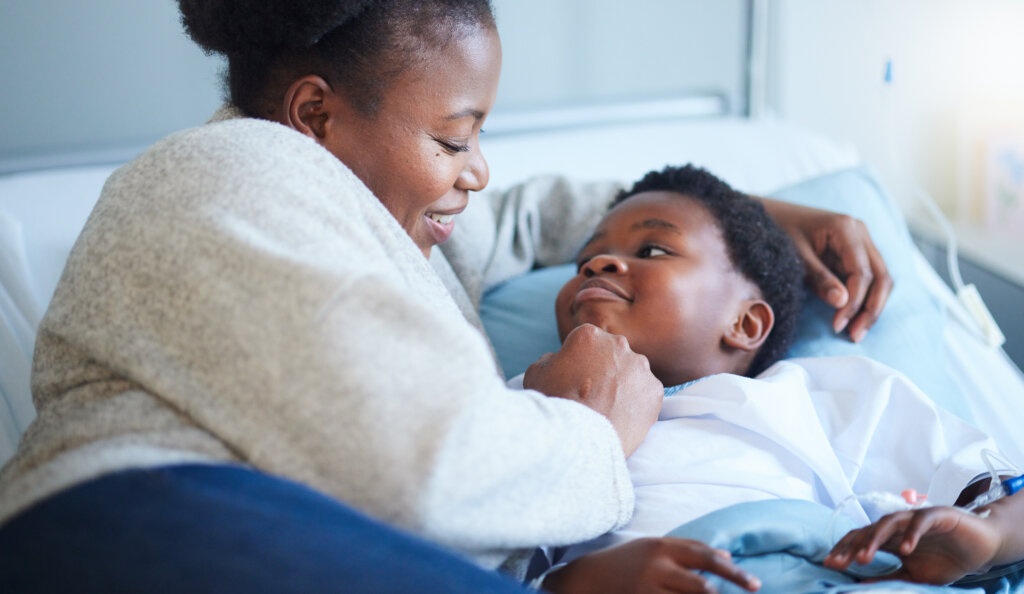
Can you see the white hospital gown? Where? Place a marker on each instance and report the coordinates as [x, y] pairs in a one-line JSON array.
[[819, 429]]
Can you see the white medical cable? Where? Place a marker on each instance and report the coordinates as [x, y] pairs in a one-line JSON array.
[[991, 457], [998, 487], [967, 294], [995, 487]]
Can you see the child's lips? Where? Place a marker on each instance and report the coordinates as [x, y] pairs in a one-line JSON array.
[[599, 289]]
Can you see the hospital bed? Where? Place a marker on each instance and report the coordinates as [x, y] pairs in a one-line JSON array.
[[44, 200], [924, 331]]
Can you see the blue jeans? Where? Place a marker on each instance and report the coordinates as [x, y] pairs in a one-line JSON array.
[[208, 528]]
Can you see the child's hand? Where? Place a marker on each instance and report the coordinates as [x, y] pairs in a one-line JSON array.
[[938, 545], [648, 565]]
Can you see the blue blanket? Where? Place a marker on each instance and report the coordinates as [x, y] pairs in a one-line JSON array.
[[783, 542]]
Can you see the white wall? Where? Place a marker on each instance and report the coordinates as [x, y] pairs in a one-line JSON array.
[[958, 74]]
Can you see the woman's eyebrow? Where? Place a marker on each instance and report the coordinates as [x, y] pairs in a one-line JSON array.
[[475, 113]]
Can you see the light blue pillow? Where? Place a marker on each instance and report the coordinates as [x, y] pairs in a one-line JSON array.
[[520, 320]]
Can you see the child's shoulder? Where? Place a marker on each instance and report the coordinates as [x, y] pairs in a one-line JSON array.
[[850, 366]]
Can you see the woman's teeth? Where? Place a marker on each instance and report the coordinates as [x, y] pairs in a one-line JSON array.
[[442, 219]]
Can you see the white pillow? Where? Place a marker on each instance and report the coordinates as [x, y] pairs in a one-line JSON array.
[[19, 316], [41, 215]]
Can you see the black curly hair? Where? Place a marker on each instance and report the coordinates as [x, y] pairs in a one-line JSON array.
[[758, 248], [359, 46]]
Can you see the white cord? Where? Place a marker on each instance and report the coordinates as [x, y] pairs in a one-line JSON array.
[[996, 487], [967, 294], [991, 458]]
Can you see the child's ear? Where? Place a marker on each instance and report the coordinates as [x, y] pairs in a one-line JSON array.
[[751, 326]]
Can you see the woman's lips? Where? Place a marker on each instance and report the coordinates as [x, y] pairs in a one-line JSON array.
[[441, 224]]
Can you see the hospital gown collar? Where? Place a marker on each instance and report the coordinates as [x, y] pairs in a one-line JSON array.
[[671, 390]]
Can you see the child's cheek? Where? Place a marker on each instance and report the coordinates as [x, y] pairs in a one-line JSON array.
[[562, 303]]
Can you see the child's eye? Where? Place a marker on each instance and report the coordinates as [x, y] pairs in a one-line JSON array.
[[650, 251]]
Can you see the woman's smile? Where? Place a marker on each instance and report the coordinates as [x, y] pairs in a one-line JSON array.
[[441, 224]]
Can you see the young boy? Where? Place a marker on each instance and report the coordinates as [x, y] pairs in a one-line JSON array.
[[698, 279]]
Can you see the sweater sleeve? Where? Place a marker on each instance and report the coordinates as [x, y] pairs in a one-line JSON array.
[[540, 222], [295, 321]]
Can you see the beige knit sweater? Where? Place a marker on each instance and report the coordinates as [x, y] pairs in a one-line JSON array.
[[238, 295]]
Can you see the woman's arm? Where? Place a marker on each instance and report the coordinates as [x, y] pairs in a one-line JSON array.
[[291, 320], [844, 267]]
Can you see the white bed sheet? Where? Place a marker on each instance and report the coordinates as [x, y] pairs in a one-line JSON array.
[[994, 384], [41, 214]]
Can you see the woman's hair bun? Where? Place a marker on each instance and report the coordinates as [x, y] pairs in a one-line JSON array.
[[241, 26]]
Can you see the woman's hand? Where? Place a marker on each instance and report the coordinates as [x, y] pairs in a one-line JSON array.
[[843, 265], [599, 370], [938, 545], [648, 565]]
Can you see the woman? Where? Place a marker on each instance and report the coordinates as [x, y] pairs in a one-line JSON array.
[[255, 295]]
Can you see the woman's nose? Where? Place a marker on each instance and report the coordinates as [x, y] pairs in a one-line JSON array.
[[476, 174], [605, 264]]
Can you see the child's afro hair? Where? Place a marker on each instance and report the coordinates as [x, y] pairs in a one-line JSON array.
[[758, 248]]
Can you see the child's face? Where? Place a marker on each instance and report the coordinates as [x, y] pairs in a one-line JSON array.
[[657, 272]]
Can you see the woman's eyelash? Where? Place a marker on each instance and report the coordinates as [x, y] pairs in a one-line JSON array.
[[452, 147]]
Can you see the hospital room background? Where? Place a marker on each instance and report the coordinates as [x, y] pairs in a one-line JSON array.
[[924, 97]]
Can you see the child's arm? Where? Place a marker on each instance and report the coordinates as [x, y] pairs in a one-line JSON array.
[[648, 565], [939, 545]]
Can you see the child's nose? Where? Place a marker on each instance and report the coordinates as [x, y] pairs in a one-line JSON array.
[[604, 263]]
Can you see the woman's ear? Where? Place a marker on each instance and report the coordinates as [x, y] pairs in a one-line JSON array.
[[308, 106], [751, 327]]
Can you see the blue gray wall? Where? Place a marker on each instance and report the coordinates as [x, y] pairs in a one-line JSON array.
[[102, 77], [559, 52], [81, 75]]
